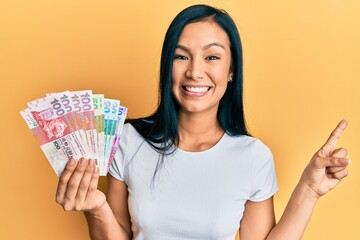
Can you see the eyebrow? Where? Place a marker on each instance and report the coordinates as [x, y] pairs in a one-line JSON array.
[[207, 46]]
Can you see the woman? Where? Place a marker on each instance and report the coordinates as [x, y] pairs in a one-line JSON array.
[[191, 170]]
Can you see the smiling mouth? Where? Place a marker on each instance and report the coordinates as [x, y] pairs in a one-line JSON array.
[[196, 89]]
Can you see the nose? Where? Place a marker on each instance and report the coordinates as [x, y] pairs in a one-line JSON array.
[[195, 69]]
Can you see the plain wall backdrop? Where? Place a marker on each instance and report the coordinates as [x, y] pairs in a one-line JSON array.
[[301, 77]]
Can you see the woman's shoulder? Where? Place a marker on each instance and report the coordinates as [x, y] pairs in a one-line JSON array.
[[129, 129], [249, 144], [247, 141], [130, 134]]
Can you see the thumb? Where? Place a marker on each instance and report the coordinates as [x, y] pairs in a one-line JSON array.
[[340, 152], [331, 162]]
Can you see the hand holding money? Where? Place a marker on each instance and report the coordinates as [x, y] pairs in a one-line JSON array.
[[77, 188], [76, 124]]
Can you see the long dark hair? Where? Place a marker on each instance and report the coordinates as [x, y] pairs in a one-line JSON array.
[[160, 129]]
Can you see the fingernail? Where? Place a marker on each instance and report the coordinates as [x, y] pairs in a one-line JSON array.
[[71, 162], [83, 161], [97, 169], [92, 162], [345, 161]]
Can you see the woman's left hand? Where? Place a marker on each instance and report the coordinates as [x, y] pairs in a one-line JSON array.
[[328, 166]]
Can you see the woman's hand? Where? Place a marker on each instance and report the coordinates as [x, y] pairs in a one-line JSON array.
[[328, 166], [77, 188]]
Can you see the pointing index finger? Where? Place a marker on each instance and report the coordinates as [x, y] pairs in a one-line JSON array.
[[335, 135]]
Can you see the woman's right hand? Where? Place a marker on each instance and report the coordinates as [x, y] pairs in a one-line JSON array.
[[328, 166], [77, 187]]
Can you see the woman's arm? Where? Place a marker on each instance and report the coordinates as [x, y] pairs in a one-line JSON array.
[[258, 220], [323, 173], [117, 197], [77, 191], [103, 225]]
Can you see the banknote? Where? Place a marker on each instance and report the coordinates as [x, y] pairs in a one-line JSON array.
[[63, 106], [111, 110], [78, 116], [54, 150], [66, 101], [53, 133], [76, 124], [53, 120], [121, 119], [98, 103], [89, 120]]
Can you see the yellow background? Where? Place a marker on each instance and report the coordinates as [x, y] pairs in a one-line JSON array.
[[302, 75]]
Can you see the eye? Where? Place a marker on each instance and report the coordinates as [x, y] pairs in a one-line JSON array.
[[180, 57], [212, 58]]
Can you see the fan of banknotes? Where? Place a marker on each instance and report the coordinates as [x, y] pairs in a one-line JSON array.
[[76, 124]]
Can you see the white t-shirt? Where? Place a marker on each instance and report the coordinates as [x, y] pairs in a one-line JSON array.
[[195, 195]]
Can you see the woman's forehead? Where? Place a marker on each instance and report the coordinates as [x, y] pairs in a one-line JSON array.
[[203, 33]]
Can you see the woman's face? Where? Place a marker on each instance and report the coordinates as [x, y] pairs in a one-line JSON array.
[[201, 68]]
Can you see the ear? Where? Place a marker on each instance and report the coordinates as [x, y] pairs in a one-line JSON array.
[[230, 78]]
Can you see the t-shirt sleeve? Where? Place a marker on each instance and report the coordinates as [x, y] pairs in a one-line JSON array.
[[117, 167], [264, 182]]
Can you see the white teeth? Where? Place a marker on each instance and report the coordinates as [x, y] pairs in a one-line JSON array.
[[197, 89]]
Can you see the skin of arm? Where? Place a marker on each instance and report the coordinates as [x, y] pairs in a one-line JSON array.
[[323, 173], [117, 197], [258, 220], [103, 224]]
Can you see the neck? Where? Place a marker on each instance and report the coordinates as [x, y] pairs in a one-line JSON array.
[[198, 131], [196, 124]]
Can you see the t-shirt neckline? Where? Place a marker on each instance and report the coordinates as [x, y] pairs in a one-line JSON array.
[[216, 145]]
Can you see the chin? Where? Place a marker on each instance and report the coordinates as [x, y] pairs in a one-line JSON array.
[[198, 109]]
